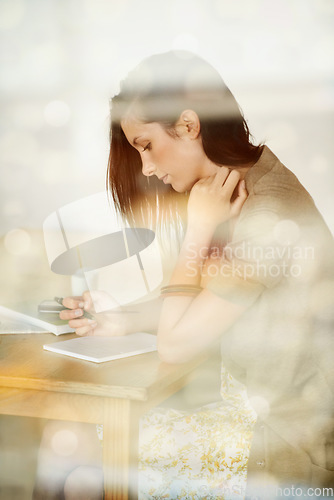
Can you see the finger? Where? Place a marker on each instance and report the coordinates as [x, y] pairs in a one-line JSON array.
[[237, 204], [73, 302], [70, 313], [231, 182], [221, 176], [242, 190], [82, 322], [84, 331], [87, 299]]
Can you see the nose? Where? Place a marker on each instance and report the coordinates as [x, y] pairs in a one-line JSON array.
[[148, 168]]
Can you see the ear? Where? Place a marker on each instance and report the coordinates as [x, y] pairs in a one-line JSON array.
[[188, 125]]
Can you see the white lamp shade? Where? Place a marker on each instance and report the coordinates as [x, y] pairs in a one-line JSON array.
[[88, 237]]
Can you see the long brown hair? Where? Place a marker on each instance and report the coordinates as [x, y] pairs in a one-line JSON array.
[[158, 90]]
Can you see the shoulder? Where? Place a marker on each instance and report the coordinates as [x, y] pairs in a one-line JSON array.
[[280, 211], [273, 188], [269, 176]]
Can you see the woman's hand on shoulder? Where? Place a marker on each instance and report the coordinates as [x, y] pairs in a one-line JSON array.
[[215, 199], [102, 324]]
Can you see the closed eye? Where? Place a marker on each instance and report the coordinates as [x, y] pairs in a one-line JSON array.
[[148, 146]]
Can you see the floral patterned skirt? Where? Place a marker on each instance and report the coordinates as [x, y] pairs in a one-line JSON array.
[[198, 454]]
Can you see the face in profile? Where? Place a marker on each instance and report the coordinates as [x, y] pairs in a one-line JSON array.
[[178, 159]]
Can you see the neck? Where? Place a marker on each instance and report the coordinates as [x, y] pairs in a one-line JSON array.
[[211, 168], [244, 169]]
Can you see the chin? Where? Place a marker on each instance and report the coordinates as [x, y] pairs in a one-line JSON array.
[[178, 189], [183, 188]]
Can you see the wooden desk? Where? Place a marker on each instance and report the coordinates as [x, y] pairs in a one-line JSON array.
[[38, 383]]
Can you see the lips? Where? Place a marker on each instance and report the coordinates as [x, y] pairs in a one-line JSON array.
[[164, 179]]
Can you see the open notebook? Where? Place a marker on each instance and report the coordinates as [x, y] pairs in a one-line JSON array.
[[101, 349], [11, 326], [27, 319]]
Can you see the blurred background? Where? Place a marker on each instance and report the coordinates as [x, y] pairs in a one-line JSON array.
[[62, 60]]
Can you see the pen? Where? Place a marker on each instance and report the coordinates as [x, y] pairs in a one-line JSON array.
[[90, 316], [60, 301]]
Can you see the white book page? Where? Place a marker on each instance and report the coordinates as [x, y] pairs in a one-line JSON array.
[[101, 349], [8, 326], [27, 314]]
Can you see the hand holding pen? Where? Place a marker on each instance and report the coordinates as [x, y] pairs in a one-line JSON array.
[[77, 312], [112, 321], [73, 311]]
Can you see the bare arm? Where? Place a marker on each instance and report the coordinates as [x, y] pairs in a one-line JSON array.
[[128, 319], [188, 325], [183, 320]]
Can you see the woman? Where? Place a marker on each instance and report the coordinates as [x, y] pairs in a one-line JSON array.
[[253, 271]]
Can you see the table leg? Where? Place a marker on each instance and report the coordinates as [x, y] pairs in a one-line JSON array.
[[120, 449]]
